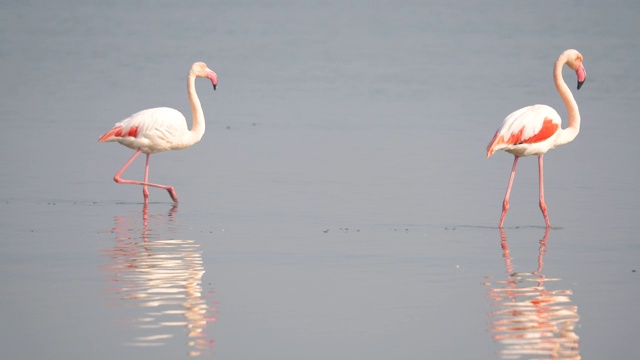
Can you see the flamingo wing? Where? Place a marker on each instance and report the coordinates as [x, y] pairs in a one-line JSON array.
[[529, 125], [119, 130], [152, 130]]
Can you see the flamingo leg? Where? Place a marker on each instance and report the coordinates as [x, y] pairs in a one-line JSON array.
[[543, 205], [145, 190], [505, 203], [145, 183]]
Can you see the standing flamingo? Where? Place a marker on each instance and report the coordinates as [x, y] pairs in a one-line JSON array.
[[534, 130], [159, 129]]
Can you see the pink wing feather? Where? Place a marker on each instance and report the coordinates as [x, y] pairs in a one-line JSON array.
[[119, 131]]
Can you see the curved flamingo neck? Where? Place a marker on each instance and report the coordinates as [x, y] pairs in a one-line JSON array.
[[198, 126], [566, 135]]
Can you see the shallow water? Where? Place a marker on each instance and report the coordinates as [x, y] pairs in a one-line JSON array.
[[339, 205]]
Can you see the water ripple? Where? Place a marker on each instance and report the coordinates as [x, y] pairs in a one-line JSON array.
[[163, 277], [529, 320]]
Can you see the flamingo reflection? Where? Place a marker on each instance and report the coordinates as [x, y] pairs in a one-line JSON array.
[[530, 320], [162, 276]]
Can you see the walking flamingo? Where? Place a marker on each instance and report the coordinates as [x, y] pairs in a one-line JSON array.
[[534, 130], [154, 130]]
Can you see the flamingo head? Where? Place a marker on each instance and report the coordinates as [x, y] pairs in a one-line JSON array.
[[200, 69], [574, 61]]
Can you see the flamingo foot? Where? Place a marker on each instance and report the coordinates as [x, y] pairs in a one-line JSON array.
[[543, 207], [145, 192], [505, 208], [173, 194]]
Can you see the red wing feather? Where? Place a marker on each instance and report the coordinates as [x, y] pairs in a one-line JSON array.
[[548, 128], [118, 132]]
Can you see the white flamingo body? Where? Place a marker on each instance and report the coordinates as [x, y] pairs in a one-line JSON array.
[[525, 132], [159, 129], [534, 130], [154, 130]]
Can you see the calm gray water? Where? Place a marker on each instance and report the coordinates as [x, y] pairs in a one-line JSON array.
[[340, 205]]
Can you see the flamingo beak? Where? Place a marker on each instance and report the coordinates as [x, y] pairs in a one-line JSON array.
[[213, 77], [581, 73]]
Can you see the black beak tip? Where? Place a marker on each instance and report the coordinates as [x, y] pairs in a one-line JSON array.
[[215, 86], [580, 84]]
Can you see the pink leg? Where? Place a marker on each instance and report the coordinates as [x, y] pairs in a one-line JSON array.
[[543, 206], [505, 203], [145, 190], [117, 179]]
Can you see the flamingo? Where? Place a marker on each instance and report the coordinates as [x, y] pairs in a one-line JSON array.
[[159, 129], [534, 130]]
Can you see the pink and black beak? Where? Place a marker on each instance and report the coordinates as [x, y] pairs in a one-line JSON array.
[[213, 77], [581, 73]]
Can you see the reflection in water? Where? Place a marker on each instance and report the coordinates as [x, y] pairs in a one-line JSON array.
[[530, 321], [163, 277]]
